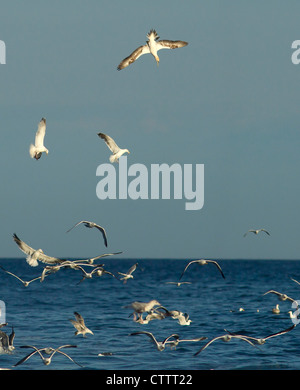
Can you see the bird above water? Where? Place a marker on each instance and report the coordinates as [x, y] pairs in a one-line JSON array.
[[114, 148], [91, 225], [152, 46]]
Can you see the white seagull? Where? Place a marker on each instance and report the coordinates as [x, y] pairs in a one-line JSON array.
[[79, 325], [36, 150], [142, 307], [91, 225], [256, 231], [226, 338], [128, 275], [25, 283], [34, 255], [203, 262], [160, 345], [117, 152], [152, 46], [49, 351], [261, 341], [282, 297]]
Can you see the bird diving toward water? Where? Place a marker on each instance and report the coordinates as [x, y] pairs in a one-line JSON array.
[[92, 225], [256, 231], [152, 46], [203, 262], [33, 255], [36, 150], [79, 325], [117, 152]]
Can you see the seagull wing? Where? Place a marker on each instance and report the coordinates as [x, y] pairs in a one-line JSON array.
[[63, 353], [109, 142], [132, 269], [29, 355], [102, 230], [167, 44], [217, 265], [29, 251], [133, 56], [147, 334], [76, 224], [79, 318], [264, 230], [207, 344], [186, 267], [281, 332], [40, 134]]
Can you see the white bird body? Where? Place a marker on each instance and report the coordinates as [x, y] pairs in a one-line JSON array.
[[153, 45], [38, 148], [128, 275], [79, 325], [117, 152]]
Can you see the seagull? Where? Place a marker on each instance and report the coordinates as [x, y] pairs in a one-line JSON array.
[[80, 325], [160, 345], [184, 319], [6, 342], [25, 283], [261, 341], [49, 351], [128, 275], [178, 284], [256, 231], [276, 310], [34, 255], [170, 313], [98, 270], [142, 307], [117, 152], [36, 150], [226, 338], [203, 262], [174, 343], [92, 225], [152, 46], [282, 297]]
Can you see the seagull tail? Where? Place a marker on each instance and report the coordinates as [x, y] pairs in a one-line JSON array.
[[31, 261], [32, 150]]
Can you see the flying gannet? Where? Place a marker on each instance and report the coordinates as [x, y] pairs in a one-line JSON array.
[[91, 225], [152, 46], [117, 152], [36, 150], [34, 255]]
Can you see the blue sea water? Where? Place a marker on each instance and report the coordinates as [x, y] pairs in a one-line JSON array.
[[40, 315]]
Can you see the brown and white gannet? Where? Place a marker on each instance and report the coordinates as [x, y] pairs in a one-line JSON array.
[[152, 46]]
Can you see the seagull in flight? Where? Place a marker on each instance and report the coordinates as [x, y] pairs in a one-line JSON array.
[[36, 150], [178, 284], [34, 255], [226, 338], [261, 341], [282, 297], [160, 345], [25, 283], [48, 351], [203, 262], [256, 231], [114, 148], [91, 225], [128, 275], [152, 46], [79, 325]]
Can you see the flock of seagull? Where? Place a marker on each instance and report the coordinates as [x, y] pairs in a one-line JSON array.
[[89, 269]]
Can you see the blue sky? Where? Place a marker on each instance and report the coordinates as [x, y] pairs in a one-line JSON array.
[[229, 100]]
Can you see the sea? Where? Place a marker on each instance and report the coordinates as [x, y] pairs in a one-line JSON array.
[[40, 314]]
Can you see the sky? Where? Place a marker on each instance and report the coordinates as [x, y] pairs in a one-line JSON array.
[[228, 100]]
